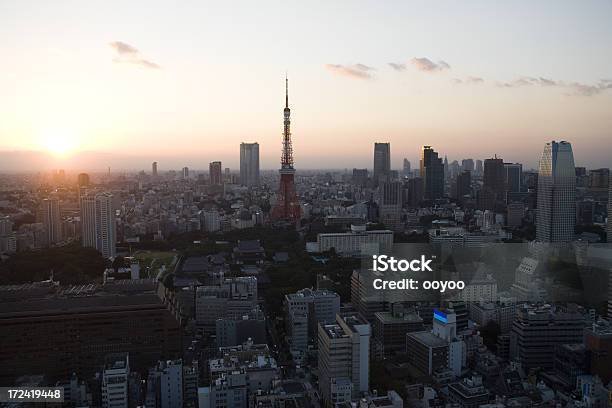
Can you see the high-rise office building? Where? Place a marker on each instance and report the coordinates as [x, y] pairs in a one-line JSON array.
[[467, 165], [453, 169], [463, 185], [287, 206], [513, 177], [515, 214], [83, 179], [556, 212], [106, 235], [478, 170], [599, 179], [344, 358], [82, 184], [154, 169], [493, 186], [406, 167], [446, 171], [52, 220], [185, 173], [88, 221], [215, 173], [414, 193], [432, 173], [382, 161], [390, 204], [360, 176], [249, 164], [98, 229]]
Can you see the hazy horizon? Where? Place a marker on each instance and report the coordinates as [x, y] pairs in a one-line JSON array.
[[21, 162], [186, 84]]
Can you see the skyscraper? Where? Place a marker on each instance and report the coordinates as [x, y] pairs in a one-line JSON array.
[[287, 205], [415, 192], [105, 225], [249, 164], [494, 186], [83, 179], [513, 173], [82, 184], [432, 173], [382, 160], [406, 169], [154, 169], [98, 229], [464, 185], [185, 173], [446, 172], [467, 165], [51, 220], [215, 173], [556, 211], [478, 169], [88, 221]]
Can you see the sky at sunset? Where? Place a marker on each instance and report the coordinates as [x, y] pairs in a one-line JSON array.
[[183, 83]]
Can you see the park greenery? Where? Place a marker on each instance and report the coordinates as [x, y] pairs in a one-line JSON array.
[[70, 264]]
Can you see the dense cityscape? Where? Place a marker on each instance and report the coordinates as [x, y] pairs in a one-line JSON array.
[[244, 288]]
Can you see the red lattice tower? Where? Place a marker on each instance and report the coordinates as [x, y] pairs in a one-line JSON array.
[[287, 205]]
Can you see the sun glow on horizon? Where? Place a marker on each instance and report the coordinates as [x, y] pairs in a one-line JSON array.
[[59, 142]]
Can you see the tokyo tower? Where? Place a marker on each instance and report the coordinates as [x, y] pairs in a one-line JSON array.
[[287, 205]]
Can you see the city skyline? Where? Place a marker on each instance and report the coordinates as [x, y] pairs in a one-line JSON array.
[[429, 226], [115, 88]]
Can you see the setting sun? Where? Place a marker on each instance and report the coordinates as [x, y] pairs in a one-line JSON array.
[[58, 142]]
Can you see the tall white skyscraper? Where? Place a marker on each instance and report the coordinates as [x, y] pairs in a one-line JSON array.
[[556, 207], [105, 225], [51, 220], [98, 229], [249, 164], [88, 221]]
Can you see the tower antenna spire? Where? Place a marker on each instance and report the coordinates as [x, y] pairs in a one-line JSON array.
[[287, 206]]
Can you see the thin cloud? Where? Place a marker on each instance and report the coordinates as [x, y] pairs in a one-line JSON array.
[[469, 80], [357, 71], [581, 89], [572, 88], [127, 54], [397, 66], [427, 65]]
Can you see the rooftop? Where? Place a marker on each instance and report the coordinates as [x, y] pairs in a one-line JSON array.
[[116, 361], [428, 339], [120, 295]]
